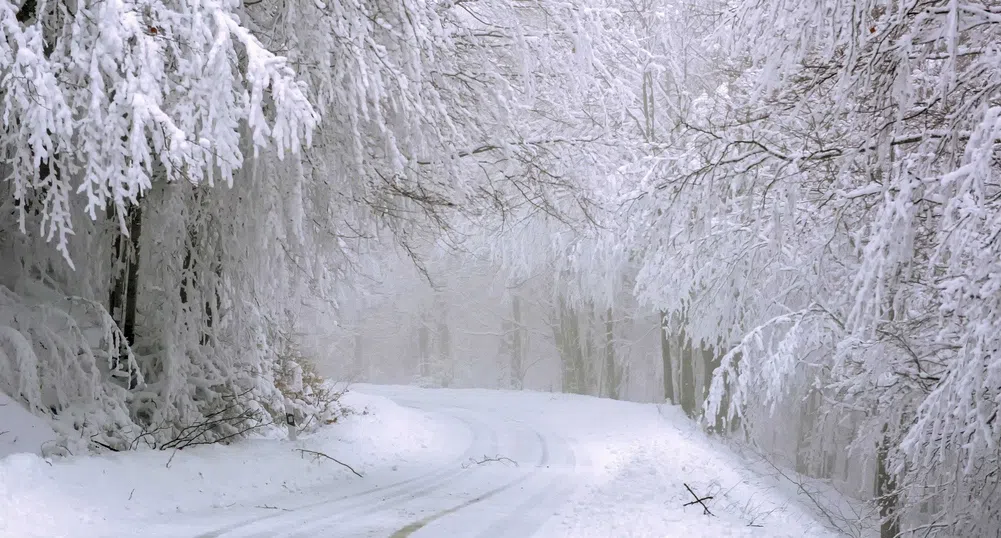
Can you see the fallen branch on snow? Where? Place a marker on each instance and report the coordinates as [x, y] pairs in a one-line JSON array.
[[171, 458], [207, 431], [317, 455], [241, 421], [699, 500], [104, 445], [500, 459]]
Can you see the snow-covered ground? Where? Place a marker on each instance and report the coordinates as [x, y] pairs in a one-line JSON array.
[[20, 431], [434, 463]]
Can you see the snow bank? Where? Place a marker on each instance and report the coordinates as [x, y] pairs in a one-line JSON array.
[[124, 493], [20, 431], [641, 456]]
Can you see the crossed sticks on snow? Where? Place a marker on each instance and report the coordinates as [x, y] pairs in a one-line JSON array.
[[699, 500]]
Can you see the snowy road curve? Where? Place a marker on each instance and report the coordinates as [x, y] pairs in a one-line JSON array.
[[469, 495], [435, 463]]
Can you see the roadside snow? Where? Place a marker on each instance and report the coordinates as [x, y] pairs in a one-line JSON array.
[[641, 457], [629, 466], [118, 494]]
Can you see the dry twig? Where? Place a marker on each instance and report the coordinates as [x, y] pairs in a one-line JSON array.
[[699, 500], [485, 459], [267, 507], [321, 454]]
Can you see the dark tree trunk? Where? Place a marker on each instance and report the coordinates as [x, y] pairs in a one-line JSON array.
[[132, 285], [125, 273], [117, 277], [212, 306], [193, 282], [125, 287], [886, 492]]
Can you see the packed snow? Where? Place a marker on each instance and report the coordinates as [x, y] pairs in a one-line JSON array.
[[434, 462]]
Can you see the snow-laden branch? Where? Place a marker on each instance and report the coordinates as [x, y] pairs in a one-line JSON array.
[[100, 102]]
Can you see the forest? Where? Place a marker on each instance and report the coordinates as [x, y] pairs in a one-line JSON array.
[[782, 215]]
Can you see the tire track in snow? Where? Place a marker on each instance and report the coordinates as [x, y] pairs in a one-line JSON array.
[[528, 516], [271, 524], [418, 525], [484, 440]]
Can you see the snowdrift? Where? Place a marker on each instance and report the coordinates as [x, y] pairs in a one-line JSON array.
[[22, 432]]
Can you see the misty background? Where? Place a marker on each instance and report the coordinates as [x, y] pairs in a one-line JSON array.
[[782, 216]]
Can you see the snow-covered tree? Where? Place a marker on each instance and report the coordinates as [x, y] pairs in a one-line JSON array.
[[826, 217], [116, 119], [202, 170]]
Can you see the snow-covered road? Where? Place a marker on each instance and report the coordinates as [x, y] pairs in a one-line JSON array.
[[435, 463], [465, 495]]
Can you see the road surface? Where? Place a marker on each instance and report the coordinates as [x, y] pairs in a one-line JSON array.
[[510, 479], [434, 463]]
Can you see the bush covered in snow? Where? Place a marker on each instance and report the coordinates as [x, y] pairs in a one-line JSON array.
[[312, 399], [66, 359]]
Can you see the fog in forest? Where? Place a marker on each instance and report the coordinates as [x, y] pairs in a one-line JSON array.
[[780, 216]]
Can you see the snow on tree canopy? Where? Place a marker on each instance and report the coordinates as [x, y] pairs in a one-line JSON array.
[[103, 98]]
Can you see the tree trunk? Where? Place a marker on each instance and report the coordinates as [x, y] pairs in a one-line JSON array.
[[132, 285], [710, 362], [424, 347], [886, 486], [359, 354], [806, 425], [213, 305], [687, 375], [886, 494], [197, 286], [561, 347], [612, 378], [588, 363], [571, 350], [444, 341], [125, 286], [517, 351], [566, 352], [665, 356], [576, 352], [118, 269]]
